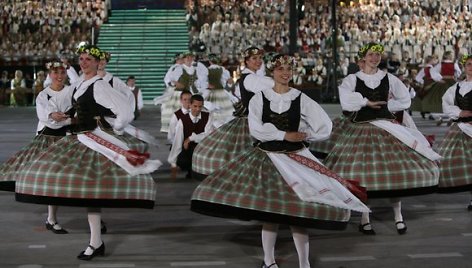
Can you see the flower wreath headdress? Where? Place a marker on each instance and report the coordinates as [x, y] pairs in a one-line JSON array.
[[252, 51], [92, 50], [375, 47], [55, 64], [464, 58], [279, 60]]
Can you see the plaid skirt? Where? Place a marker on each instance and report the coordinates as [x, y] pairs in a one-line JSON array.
[[381, 163], [432, 102], [250, 187], [133, 142], [326, 146], [168, 108], [221, 99], [71, 174], [221, 146], [456, 165], [18, 161]]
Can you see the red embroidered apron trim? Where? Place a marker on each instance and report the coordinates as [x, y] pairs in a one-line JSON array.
[[135, 158], [352, 185]]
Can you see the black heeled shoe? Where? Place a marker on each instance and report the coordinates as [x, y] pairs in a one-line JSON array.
[[365, 231], [103, 228], [469, 207], [273, 265], [401, 230], [50, 227], [100, 251]]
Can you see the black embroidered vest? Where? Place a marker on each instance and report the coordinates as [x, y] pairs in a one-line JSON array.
[[90, 114], [380, 93], [464, 103], [214, 77], [286, 121], [245, 95], [188, 80]]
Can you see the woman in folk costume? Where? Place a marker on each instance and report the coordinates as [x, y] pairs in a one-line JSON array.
[[183, 78], [169, 84], [218, 78], [390, 160], [426, 78], [18, 86], [455, 167], [448, 71], [232, 138], [321, 149], [48, 132], [278, 181], [136, 139], [90, 168]]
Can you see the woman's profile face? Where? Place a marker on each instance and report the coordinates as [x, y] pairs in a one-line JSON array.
[[254, 62]]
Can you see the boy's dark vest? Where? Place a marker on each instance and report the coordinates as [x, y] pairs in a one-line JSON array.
[[191, 127]]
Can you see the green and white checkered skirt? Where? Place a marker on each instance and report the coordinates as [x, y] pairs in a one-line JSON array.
[[326, 146], [456, 165], [71, 174], [221, 99], [250, 187], [18, 161], [133, 142], [221, 146], [381, 163], [168, 108]]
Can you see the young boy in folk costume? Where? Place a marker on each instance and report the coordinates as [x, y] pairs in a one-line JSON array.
[[191, 129], [138, 95], [185, 97]]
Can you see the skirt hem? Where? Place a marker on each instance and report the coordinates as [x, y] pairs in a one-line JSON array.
[[226, 211]]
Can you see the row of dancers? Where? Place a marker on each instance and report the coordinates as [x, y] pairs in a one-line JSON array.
[[256, 166], [85, 153]]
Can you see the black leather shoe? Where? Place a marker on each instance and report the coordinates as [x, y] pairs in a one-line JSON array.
[[273, 265], [103, 229], [469, 207], [364, 230], [57, 230], [100, 251], [401, 230]]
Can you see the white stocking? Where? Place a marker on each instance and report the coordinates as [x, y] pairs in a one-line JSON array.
[[302, 244], [397, 210], [94, 218], [269, 236], [52, 214]]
